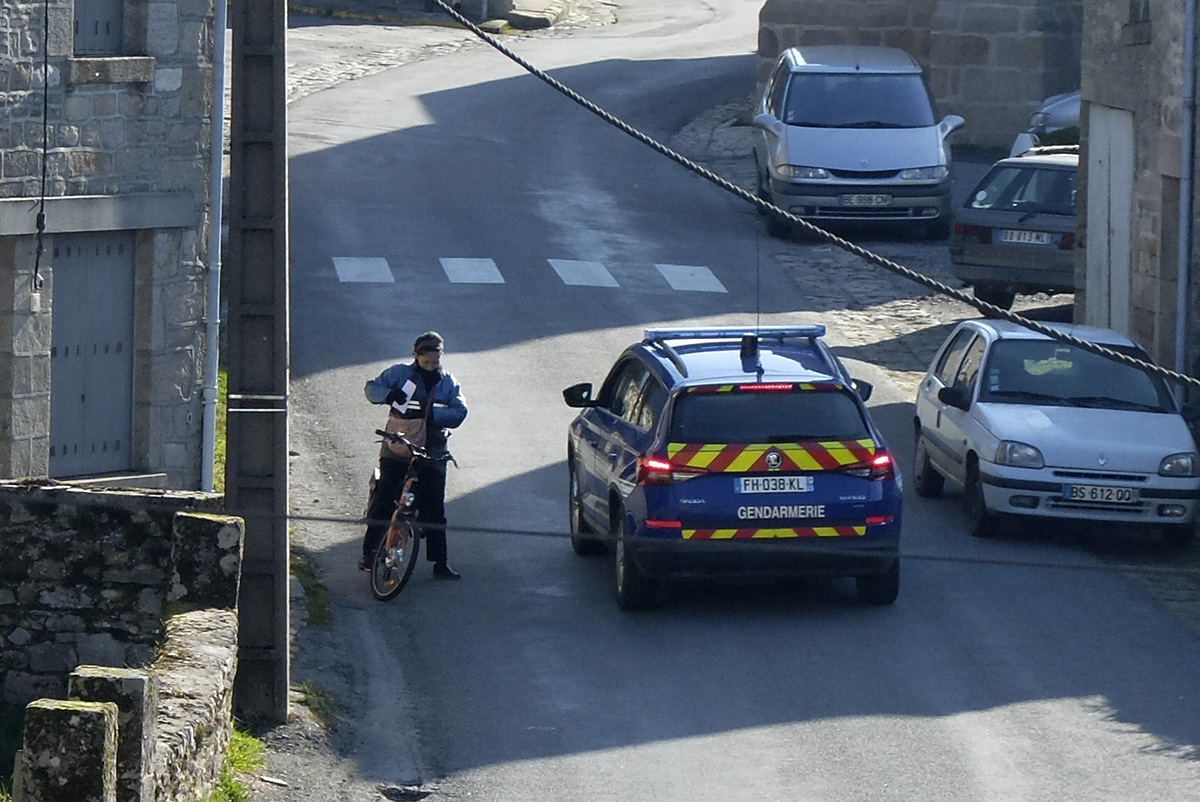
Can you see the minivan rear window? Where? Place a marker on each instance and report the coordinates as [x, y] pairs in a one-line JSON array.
[[857, 100], [770, 417]]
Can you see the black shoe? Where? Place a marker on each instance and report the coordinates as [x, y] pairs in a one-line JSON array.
[[444, 571], [364, 565]]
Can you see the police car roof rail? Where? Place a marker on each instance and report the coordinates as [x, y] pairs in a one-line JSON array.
[[734, 332], [671, 354]]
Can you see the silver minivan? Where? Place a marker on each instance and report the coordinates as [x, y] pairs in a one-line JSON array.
[[849, 133]]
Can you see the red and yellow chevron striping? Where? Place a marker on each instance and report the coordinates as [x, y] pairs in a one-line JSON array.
[[752, 458], [749, 534]]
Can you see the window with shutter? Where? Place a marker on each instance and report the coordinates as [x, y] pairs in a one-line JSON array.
[[98, 27]]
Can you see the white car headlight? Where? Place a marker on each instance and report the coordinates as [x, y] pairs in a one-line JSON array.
[[1018, 455], [1179, 465], [798, 172], [925, 173]]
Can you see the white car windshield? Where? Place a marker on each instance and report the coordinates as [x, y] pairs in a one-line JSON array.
[[1046, 372], [855, 100]]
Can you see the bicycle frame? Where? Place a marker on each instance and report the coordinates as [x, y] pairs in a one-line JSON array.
[[401, 544]]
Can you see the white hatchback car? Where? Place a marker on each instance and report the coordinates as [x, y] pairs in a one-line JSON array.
[[1029, 425]]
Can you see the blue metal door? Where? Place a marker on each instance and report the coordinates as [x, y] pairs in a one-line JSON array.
[[91, 354]]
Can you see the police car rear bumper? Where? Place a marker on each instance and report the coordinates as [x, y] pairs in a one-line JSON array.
[[764, 558]]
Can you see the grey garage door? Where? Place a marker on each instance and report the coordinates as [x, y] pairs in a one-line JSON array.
[[91, 354]]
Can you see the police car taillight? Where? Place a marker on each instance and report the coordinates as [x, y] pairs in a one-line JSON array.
[[766, 388], [880, 467], [658, 471]]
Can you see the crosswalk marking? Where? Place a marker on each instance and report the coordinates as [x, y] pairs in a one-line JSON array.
[[691, 278], [577, 273], [363, 269], [472, 271], [572, 272]]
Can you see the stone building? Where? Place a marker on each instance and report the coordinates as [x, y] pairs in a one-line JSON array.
[[104, 136], [991, 61], [1133, 128]]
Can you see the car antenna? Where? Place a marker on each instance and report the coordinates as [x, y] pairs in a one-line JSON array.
[[749, 354]]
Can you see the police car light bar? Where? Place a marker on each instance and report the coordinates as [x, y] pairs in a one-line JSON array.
[[727, 333]]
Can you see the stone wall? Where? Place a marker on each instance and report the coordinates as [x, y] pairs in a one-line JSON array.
[[129, 735], [992, 61], [88, 577], [128, 149], [1134, 62]]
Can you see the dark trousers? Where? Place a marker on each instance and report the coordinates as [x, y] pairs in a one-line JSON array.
[[430, 491]]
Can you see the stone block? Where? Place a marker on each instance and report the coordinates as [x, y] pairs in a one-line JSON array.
[[162, 29], [70, 751], [135, 693], [208, 552]]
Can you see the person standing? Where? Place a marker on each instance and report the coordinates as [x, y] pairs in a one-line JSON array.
[[421, 387]]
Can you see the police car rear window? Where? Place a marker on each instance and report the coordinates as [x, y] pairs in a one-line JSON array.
[[766, 417]]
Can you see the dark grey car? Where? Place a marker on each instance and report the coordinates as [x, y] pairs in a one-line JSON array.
[[1016, 231]]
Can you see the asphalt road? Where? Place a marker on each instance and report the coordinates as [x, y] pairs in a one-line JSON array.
[[435, 195]]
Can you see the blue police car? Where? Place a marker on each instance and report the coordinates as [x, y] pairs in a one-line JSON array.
[[732, 452]]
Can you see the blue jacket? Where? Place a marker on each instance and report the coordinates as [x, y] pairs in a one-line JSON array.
[[449, 406]]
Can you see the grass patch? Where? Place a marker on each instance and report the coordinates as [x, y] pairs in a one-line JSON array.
[[12, 725], [219, 438], [245, 754], [305, 570], [324, 706]]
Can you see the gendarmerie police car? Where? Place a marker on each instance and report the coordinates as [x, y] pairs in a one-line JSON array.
[[732, 451]]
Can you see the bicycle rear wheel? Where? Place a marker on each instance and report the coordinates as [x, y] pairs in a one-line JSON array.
[[395, 559]]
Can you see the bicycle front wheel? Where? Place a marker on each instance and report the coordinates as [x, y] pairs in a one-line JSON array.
[[395, 559]]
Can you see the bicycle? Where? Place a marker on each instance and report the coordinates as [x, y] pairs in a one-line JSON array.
[[397, 554]]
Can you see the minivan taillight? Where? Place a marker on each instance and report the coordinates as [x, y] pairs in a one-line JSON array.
[[659, 471], [1067, 242], [879, 468]]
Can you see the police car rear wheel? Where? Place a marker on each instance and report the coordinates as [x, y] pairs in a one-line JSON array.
[[879, 588], [634, 590], [579, 527]]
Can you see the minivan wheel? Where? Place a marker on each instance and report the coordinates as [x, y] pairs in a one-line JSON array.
[[777, 226], [635, 591]]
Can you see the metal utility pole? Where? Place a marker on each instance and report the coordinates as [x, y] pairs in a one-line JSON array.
[[256, 479]]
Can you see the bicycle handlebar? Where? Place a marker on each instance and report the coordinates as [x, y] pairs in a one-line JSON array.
[[416, 450]]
